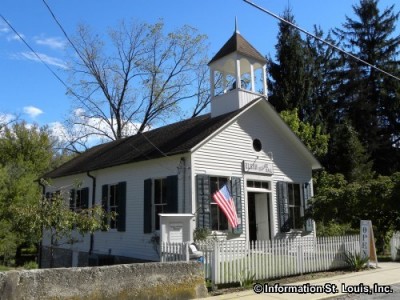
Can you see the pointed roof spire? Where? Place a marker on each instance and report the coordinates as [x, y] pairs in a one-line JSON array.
[[238, 44], [236, 25]]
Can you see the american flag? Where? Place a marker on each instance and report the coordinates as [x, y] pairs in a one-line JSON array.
[[225, 202]]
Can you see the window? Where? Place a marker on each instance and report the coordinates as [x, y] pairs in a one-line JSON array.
[[208, 213], [79, 199], [218, 218], [289, 206], [160, 196], [257, 146], [258, 184], [294, 206], [51, 196], [113, 204], [114, 201], [160, 200]]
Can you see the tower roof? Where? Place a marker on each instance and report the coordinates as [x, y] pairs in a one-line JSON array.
[[237, 43]]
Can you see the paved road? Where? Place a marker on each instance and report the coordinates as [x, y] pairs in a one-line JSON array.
[[375, 296]]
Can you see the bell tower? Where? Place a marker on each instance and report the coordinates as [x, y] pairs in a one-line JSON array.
[[237, 75]]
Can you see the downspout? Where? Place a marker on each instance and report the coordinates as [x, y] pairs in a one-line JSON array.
[[93, 204], [184, 184], [41, 184]]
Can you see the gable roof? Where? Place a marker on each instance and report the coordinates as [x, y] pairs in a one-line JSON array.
[[237, 43], [173, 139], [169, 140]]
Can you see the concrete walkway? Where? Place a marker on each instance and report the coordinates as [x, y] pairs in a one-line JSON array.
[[387, 273]]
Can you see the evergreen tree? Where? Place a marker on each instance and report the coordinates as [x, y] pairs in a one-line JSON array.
[[347, 155], [289, 87], [370, 99], [322, 63]]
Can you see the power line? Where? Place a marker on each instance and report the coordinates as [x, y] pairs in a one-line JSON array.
[[59, 79], [63, 30], [33, 51], [321, 40], [79, 54]]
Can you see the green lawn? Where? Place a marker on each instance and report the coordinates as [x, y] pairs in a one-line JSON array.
[[4, 268]]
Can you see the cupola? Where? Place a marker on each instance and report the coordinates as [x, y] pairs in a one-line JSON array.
[[237, 75]]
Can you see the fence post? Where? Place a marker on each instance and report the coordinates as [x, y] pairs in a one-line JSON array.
[[162, 251], [300, 265], [187, 251], [215, 264]]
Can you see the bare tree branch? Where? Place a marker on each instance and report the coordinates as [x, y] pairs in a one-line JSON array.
[[137, 75]]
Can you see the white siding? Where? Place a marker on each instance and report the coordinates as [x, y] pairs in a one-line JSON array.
[[221, 155], [133, 242], [224, 153]]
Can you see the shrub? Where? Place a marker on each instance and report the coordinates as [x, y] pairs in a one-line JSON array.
[[31, 265], [355, 261], [201, 234], [246, 279]]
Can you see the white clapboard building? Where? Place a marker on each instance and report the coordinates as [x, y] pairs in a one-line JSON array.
[[176, 168]]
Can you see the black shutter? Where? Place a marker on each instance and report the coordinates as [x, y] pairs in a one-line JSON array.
[[72, 200], [203, 201], [104, 202], [236, 190], [308, 222], [283, 205], [121, 218], [172, 194], [147, 206], [85, 198]]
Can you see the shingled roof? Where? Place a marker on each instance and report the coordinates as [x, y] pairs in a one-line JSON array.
[[237, 43], [169, 140]]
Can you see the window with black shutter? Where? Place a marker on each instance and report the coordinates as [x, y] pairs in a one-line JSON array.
[[114, 202], [79, 199], [209, 215], [160, 196], [289, 206]]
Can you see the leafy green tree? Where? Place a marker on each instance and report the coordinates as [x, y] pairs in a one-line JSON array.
[[310, 135], [338, 202], [368, 98], [52, 217], [26, 152]]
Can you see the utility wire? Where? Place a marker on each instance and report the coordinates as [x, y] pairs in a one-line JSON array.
[[320, 39], [34, 52], [64, 32], [82, 58]]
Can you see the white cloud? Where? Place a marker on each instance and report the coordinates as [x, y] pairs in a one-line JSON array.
[[47, 59], [15, 37], [52, 42], [4, 28], [5, 118], [32, 111]]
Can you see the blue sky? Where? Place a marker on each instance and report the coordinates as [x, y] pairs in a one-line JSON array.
[[28, 88]]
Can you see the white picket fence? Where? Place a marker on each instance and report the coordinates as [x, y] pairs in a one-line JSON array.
[[235, 261], [395, 246]]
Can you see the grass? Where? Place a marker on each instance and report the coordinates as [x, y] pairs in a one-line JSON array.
[[5, 268]]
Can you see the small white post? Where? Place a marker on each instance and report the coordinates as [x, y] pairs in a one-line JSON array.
[[187, 251], [215, 264]]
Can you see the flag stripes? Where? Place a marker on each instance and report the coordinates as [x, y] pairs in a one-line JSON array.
[[225, 202]]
